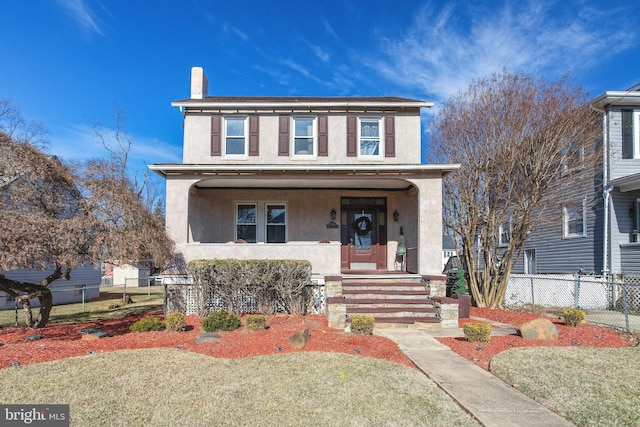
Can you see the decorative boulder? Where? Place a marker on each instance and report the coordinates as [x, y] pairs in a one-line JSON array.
[[93, 333], [538, 329], [300, 339]]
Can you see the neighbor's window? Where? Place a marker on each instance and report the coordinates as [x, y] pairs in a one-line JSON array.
[[630, 134], [572, 156], [504, 234], [246, 222], [574, 220], [235, 139], [304, 136], [276, 223], [369, 138]]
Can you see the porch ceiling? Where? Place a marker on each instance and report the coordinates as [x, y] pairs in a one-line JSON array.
[[627, 183], [391, 177]]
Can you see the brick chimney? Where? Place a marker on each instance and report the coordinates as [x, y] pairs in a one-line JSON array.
[[199, 83]]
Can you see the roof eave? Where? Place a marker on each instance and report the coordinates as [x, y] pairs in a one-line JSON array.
[[299, 104]]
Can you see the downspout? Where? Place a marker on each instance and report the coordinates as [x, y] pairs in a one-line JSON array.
[[606, 189]]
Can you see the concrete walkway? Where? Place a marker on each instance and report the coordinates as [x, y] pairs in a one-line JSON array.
[[486, 397]]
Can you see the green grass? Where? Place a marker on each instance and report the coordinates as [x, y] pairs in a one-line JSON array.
[[170, 387], [588, 386], [143, 299]]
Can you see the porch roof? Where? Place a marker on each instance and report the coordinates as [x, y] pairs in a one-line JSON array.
[[304, 176], [627, 183]]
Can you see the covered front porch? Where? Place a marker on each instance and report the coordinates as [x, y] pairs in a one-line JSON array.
[[341, 219]]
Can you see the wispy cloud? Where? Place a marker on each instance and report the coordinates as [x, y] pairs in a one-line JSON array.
[[83, 15], [79, 143], [442, 53]]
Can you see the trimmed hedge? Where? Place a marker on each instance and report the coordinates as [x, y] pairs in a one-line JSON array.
[[362, 325], [256, 322], [147, 324], [276, 285], [220, 320], [573, 317]]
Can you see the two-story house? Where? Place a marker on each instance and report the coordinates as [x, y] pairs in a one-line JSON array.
[[598, 225], [328, 179]]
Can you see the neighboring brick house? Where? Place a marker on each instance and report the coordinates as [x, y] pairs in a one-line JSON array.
[[293, 177]]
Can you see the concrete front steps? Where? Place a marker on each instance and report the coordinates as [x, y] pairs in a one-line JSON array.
[[393, 301]]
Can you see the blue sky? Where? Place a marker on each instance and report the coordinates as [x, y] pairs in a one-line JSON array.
[[67, 63]]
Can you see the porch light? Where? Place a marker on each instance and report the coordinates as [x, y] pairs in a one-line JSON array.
[[396, 215], [333, 214]]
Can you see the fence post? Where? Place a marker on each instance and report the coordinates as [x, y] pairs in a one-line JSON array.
[[576, 290], [625, 304], [83, 288], [16, 313], [164, 297], [533, 298]]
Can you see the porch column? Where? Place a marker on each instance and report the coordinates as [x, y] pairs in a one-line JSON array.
[[177, 218], [429, 224]]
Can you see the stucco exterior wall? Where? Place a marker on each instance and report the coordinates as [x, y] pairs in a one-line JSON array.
[[197, 141]]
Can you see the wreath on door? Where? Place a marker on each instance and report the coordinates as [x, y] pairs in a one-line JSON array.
[[362, 226]]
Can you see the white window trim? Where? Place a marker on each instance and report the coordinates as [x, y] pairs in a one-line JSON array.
[[261, 219], [313, 155], [636, 134], [246, 139], [286, 220], [527, 261], [235, 218], [380, 155], [565, 223], [502, 244]]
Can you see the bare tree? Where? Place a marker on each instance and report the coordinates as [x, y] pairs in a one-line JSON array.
[[521, 142], [52, 214]]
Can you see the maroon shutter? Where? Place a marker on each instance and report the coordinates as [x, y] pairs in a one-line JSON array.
[[352, 136], [323, 136], [216, 135], [254, 136], [389, 136], [283, 136]]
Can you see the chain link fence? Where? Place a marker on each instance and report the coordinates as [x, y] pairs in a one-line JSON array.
[[12, 313], [608, 300]]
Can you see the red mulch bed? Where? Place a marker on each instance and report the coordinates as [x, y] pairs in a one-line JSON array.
[[62, 341], [582, 336]]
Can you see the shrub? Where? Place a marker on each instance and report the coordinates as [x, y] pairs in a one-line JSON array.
[[256, 322], [573, 317], [175, 322], [477, 332], [148, 323], [220, 320], [362, 325]]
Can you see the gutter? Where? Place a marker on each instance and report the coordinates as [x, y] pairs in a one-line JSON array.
[[305, 105], [606, 188]]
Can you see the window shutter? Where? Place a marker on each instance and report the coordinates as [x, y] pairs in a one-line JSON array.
[[389, 136], [254, 137], [323, 136], [216, 135], [627, 134], [352, 136], [283, 136]]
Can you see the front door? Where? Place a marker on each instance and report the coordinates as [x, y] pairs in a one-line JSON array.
[[364, 235]]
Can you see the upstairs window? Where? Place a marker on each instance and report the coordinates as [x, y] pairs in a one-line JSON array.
[[572, 156], [304, 141], [574, 219], [630, 134], [369, 141], [235, 140], [504, 236]]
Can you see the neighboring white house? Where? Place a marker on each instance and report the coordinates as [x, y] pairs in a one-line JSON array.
[[328, 179], [131, 275], [85, 279]]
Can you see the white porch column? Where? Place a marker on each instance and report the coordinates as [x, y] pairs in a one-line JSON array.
[[429, 224]]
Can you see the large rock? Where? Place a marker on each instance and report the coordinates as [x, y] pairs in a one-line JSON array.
[[538, 329], [300, 339], [93, 333]]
